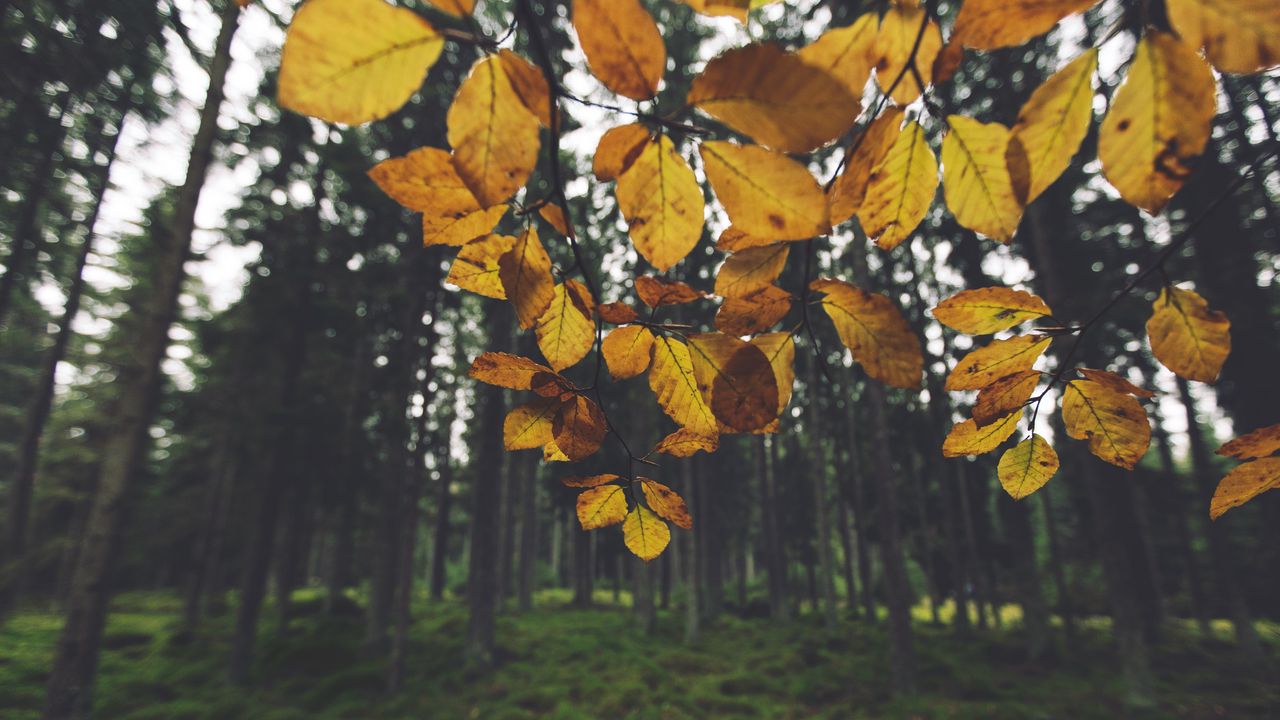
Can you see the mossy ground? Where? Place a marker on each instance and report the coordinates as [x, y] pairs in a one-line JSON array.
[[569, 664]]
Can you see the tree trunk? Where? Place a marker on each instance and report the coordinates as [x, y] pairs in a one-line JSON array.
[[1057, 563], [70, 687], [774, 553], [529, 532], [440, 545], [1016, 519], [692, 611], [1183, 501], [818, 462]]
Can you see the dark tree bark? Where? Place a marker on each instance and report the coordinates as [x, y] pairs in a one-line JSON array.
[[818, 463], [531, 497], [774, 553], [1057, 564], [440, 543], [70, 687]]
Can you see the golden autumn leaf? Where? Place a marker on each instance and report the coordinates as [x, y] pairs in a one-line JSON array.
[[601, 507], [1004, 396], [987, 364], [493, 135], [1238, 36], [1115, 382], [476, 266], [949, 60], [555, 217], [975, 179], [644, 533], [1051, 125], [626, 351], [623, 45], [550, 385], [900, 189], [617, 149], [845, 53], [875, 331], [1113, 422], [1158, 123], [780, 349], [966, 438], [774, 97], [589, 481], [982, 311], [749, 270], [456, 8], [666, 503], [565, 331], [765, 193], [733, 240], [656, 292], [579, 427], [528, 426], [736, 9], [1243, 484], [530, 85], [684, 443], [662, 202], [894, 42], [1259, 443], [1027, 466], [506, 370], [846, 195], [425, 181], [352, 61], [754, 312], [672, 380], [618, 313], [1187, 337], [458, 231], [525, 271], [736, 380], [991, 24], [551, 453]]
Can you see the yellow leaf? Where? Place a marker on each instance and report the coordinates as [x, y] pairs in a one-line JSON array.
[[850, 188], [1238, 36], [765, 193], [900, 189], [458, 231], [875, 332], [1187, 337], [529, 426], [622, 45], [656, 292], [425, 181], [505, 370], [1259, 443], [991, 24], [626, 351], [683, 443], [601, 507], [666, 503], [530, 85], [736, 380], [672, 380], [734, 240], [1004, 396], [737, 9], [1113, 422], [493, 135], [551, 453], [966, 438], [456, 8], [754, 312], [1243, 484], [565, 331], [617, 149], [476, 267], [1001, 358], [894, 41], [1158, 123], [525, 271], [749, 270], [644, 534], [975, 178], [555, 217], [662, 202], [352, 61], [591, 481], [1115, 382], [578, 428], [983, 311], [780, 349], [775, 98], [845, 53], [1027, 466], [1051, 125]]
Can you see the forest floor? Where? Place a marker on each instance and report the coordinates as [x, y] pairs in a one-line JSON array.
[[560, 663]]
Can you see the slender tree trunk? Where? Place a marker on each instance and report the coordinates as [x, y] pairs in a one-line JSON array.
[[1182, 528], [214, 498], [1016, 518], [818, 458], [692, 611], [926, 546], [846, 547], [70, 687], [774, 553], [858, 501], [529, 534], [581, 571], [440, 545], [1057, 564]]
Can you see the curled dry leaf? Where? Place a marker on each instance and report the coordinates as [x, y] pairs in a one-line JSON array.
[[684, 443], [1114, 381], [1259, 443], [506, 370], [549, 384], [1243, 484], [666, 503], [656, 292], [590, 481], [618, 313], [579, 427]]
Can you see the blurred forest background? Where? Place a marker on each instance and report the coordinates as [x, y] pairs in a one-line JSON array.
[[293, 463]]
